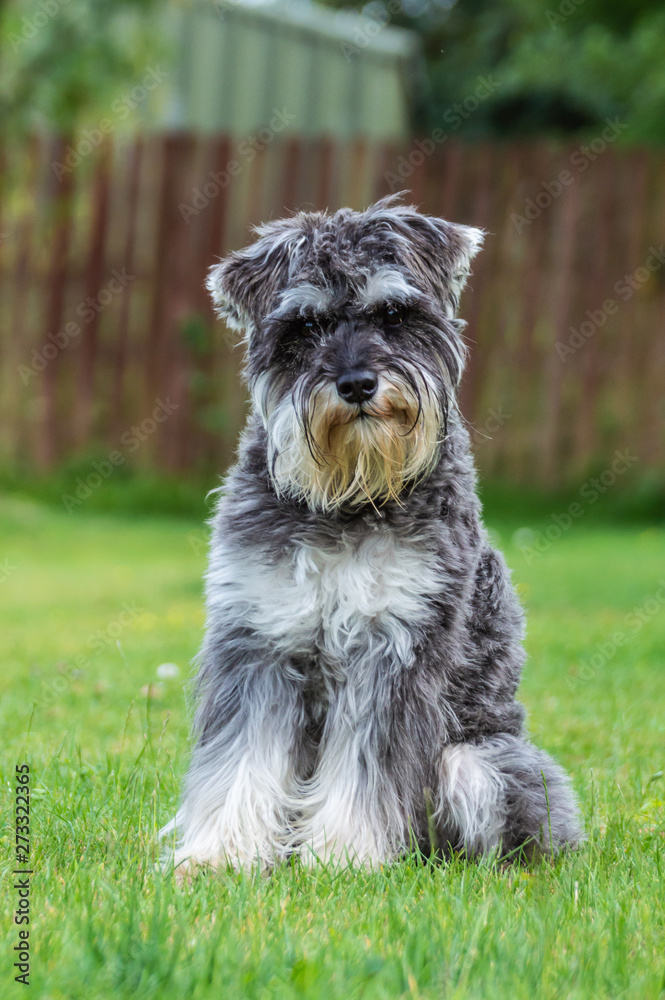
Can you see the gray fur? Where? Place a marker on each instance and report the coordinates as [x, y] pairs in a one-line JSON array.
[[358, 677]]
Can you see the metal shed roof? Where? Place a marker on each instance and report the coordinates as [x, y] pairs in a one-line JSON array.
[[336, 72], [343, 26]]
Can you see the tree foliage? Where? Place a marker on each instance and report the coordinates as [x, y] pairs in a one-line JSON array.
[[64, 61], [557, 66], [561, 66]]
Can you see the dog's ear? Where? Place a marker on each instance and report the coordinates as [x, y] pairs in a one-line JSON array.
[[459, 245], [441, 252], [244, 285]]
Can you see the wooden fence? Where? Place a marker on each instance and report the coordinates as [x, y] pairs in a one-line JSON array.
[[105, 325]]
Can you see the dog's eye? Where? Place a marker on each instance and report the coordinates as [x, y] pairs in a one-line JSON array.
[[393, 315], [307, 326]]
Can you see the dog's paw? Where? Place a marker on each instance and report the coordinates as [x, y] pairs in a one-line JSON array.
[[191, 867], [340, 853], [188, 871]]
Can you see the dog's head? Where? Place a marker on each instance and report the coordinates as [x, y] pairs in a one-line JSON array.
[[353, 349]]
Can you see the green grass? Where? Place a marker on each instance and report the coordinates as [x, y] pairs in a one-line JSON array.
[[106, 759]]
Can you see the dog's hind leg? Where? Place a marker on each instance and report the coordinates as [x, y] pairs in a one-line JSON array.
[[238, 801], [504, 795]]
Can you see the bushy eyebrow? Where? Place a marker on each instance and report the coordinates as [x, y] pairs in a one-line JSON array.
[[387, 285], [303, 299]]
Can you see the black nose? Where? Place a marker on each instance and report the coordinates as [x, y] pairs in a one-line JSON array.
[[357, 385]]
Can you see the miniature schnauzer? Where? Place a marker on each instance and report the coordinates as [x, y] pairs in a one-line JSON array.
[[356, 690]]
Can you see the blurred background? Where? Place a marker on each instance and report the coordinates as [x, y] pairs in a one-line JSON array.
[[142, 139], [139, 141]]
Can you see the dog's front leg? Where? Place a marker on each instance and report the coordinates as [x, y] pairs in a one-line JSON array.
[[349, 812], [238, 801], [359, 805]]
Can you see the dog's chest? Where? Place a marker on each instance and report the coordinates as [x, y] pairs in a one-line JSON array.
[[337, 599]]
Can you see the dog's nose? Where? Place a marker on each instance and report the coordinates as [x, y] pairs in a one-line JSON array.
[[357, 385]]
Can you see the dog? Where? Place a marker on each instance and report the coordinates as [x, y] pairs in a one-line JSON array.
[[357, 681]]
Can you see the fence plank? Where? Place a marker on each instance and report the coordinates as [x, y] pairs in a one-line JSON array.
[[133, 179], [59, 212], [560, 309], [19, 236], [93, 287]]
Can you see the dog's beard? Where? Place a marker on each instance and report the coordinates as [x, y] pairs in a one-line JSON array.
[[330, 453]]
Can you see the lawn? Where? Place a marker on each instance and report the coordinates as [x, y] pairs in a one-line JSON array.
[[91, 606]]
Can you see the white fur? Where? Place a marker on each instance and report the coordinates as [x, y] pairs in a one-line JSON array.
[[237, 811], [472, 240], [345, 815], [387, 285], [272, 240], [230, 311], [473, 791], [334, 596], [354, 601], [303, 297]]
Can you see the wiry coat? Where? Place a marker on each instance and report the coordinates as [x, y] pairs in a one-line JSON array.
[[357, 682]]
